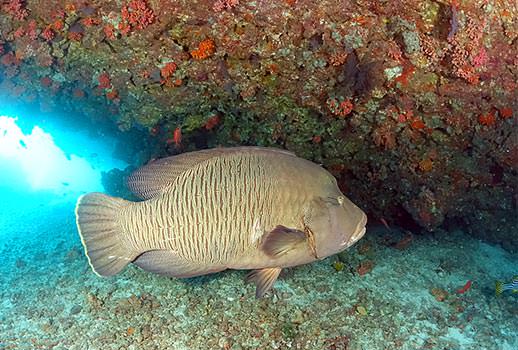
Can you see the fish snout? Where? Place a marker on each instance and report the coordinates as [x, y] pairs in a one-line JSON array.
[[358, 232]]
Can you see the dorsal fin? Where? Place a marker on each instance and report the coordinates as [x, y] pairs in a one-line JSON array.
[[148, 181]]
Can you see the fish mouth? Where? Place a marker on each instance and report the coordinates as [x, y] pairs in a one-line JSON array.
[[358, 233]]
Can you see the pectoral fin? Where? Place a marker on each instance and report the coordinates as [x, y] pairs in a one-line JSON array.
[[281, 240], [263, 279]]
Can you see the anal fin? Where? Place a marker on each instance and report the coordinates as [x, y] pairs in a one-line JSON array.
[[263, 279], [166, 262]]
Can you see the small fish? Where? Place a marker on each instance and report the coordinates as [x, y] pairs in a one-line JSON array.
[[385, 223], [177, 136], [500, 286], [249, 208], [466, 287]]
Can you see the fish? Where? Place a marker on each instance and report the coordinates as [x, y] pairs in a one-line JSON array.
[[500, 286], [465, 288], [241, 208], [176, 138]]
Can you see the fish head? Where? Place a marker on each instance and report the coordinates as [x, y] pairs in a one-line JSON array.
[[335, 223]]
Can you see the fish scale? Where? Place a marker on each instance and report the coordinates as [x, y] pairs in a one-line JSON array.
[[198, 213]]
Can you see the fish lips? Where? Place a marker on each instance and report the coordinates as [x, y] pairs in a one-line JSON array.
[[358, 233]]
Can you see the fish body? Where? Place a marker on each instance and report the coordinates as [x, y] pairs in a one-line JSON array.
[[231, 208], [512, 286]]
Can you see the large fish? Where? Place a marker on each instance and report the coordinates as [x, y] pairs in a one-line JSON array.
[[227, 208]]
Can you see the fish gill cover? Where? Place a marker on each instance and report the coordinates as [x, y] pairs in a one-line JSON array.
[[410, 104]]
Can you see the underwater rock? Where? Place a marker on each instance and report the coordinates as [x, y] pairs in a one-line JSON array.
[[114, 182], [424, 90]]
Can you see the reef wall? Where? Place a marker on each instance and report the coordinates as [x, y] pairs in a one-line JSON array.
[[411, 104]]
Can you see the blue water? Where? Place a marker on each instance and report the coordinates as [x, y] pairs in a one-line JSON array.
[[377, 295]]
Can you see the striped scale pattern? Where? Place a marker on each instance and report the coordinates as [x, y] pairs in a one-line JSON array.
[[209, 212]]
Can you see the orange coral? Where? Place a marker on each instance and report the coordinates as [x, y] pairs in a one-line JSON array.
[[109, 31], [426, 165], [212, 122], [58, 24], [75, 36], [408, 72], [506, 112], [337, 59], [339, 106], [417, 124], [205, 49], [112, 95], [168, 70], [91, 21], [487, 119]]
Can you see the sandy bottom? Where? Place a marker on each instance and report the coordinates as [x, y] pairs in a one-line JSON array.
[[387, 296]]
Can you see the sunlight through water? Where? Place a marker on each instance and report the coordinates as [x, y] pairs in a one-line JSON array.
[[34, 161]]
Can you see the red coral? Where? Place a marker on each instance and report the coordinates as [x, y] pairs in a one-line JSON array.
[[487, 119], [32, 30], [47, 33], [221, 5], [19, 32], [212, 122], [9, 59], [75, 36], [480, 59], [137, 14], [16, 8], [168, 70], [104, 80], [506, 112], [109, 31], [46, 81], [340, 107], [417, 124], [90, 21], [408, 71], [112, 94], [124, 28]]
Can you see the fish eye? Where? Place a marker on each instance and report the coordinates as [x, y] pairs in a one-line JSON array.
[[332, 201], [341, 200]]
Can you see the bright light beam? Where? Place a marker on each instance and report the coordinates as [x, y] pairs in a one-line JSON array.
[[43, 164]]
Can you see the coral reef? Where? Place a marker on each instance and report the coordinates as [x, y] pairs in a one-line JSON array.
[[414, 111]]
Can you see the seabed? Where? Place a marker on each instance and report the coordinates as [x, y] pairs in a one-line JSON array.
[[388, 294]]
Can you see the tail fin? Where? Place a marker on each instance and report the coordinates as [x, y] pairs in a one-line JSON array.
[[98, 226], [499, 287]]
